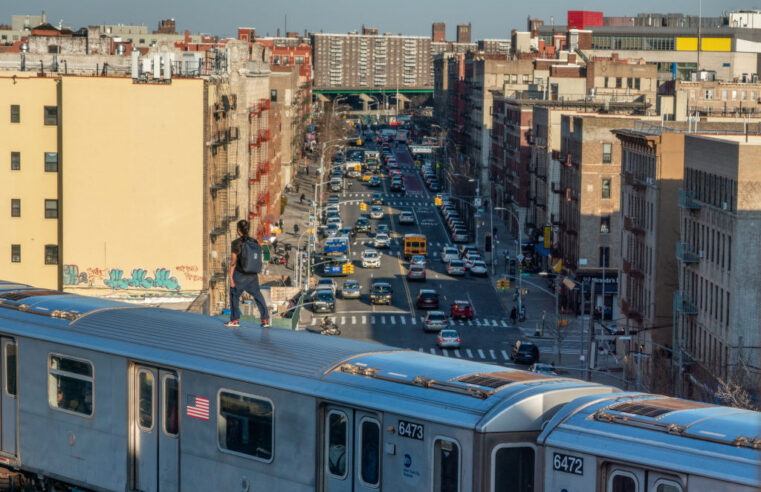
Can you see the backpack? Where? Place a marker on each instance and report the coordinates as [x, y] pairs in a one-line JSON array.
[[251, 256]]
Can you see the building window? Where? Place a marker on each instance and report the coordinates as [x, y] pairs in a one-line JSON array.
[[15, 113], [51, 209], [514, 78], [51, 115], [604, 257], [15, 207], [607, 150], [605, 224], [637, 83], [53, 49], [51, 162], [70, 384], [605, 188], [724, 95], [245, 425], [51, 254], [709, 94], [15, 253], [15, 161], [273, 95], [629, 82], [619, 82], [299, 60]]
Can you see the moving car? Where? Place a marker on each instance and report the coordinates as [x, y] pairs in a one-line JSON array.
[[366, 177], [374, 181], [456, 267], [382, 229], [406, 218], [371, 259], [377, 199], [416, 272], [381, 293], [397, 185], [427, 299], [461, 310], [470, 259], [351, 289], [324, 301], [435, 321], [449, 253], [376, 212], [347, 231], [419, 260], [381, 241], [525, 352], [334, 199], [326, 283], [362, 225], [449, 339], [478, 268]]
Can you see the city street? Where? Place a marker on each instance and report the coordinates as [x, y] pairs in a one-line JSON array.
[[488, 337]]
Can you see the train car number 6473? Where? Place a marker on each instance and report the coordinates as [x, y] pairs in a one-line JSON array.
[[411, 430], [567, 463]]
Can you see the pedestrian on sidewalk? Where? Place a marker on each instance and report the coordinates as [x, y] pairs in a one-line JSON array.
[[513, 315], [245, 266], [280, 223], [301, 199], [307, 170], [297, 188], [295, 229]]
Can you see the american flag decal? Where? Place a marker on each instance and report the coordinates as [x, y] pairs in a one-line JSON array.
[[198, 407]]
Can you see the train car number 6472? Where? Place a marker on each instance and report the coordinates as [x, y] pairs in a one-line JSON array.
[[411, 430], [567, 463]]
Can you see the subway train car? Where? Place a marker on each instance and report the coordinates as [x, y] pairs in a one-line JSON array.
[[109, 396]]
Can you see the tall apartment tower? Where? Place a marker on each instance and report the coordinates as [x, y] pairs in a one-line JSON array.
[[463, 33], [439, 32]]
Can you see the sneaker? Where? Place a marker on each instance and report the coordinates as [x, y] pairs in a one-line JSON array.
[[266, 323], [233, 323]]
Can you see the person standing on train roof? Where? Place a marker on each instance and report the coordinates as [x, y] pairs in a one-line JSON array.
[[245, 266]]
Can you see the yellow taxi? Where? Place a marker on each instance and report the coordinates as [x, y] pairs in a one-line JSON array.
[[366, 177]]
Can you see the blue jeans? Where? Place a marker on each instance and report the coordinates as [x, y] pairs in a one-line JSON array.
[[246, 282]]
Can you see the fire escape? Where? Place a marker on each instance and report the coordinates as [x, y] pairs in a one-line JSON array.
[[258, 151], [223, 173]]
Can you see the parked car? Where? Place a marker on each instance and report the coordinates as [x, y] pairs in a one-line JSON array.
[[416, 272], [468, 247], [435, 321], [427, 299], [347, 231], [381, 293], [460, 236], [456, 267], [542, 368], [470, 259], [479, 268], [449, 253], [381, 241], [449, 339], [371, 259], [376, 212], [351, 289], [326, 283], [525, 352], [406, 218], [461, 310], [324, 301]]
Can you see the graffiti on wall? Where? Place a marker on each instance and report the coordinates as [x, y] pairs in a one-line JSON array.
[[116, 279], [190, 272]]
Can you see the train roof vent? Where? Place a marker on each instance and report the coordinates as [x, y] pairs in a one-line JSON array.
[[655, 407], [498, 379], [19, 295]]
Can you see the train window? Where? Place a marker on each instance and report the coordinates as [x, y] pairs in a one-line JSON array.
[[622, 481], [446, 465], [171, 406], [145, 400], [667, 486], [338, 431], [369, 462], [245, 425], [513, 468], [10, 368], [70, 384]]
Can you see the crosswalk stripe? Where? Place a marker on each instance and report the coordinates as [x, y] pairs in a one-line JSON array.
[[343, 320], [413, 320], [451, 322], [372, 320], [383, 320], [457, 353], [422, 319], [470, 354], [421, 349], [445, 352], [354, 320], [364, 320], [333, 319], [504, 354], [470, 323], [403, 320], [494, 322], [478, 322], [481, 354], [491, 352], [433, 351], [391, 319], [504, 325]]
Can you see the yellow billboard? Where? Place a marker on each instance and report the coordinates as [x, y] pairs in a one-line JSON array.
[[686, 44], [716, 44]]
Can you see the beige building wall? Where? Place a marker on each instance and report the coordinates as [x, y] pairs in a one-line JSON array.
[[31, 138], [132, 186]]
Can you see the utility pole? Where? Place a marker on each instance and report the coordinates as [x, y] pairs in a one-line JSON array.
[[591, 341]]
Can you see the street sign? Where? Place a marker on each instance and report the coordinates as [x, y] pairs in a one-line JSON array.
[[520, 257], [477, 202]]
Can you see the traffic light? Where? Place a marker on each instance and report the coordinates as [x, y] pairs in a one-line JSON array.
[[348, 268], [524, 292], [503, 284], [437, 201], [363, 206]]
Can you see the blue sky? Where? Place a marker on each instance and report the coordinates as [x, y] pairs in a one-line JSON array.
[[490, 18]]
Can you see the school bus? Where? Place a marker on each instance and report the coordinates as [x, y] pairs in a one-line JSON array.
[[414, 244]]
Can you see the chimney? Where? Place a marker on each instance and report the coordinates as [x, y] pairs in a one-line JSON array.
[[571, 58]]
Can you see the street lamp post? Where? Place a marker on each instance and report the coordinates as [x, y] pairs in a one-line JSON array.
[[518, 252]]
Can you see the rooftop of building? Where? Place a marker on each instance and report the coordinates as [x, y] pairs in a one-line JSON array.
[[741, 139]]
